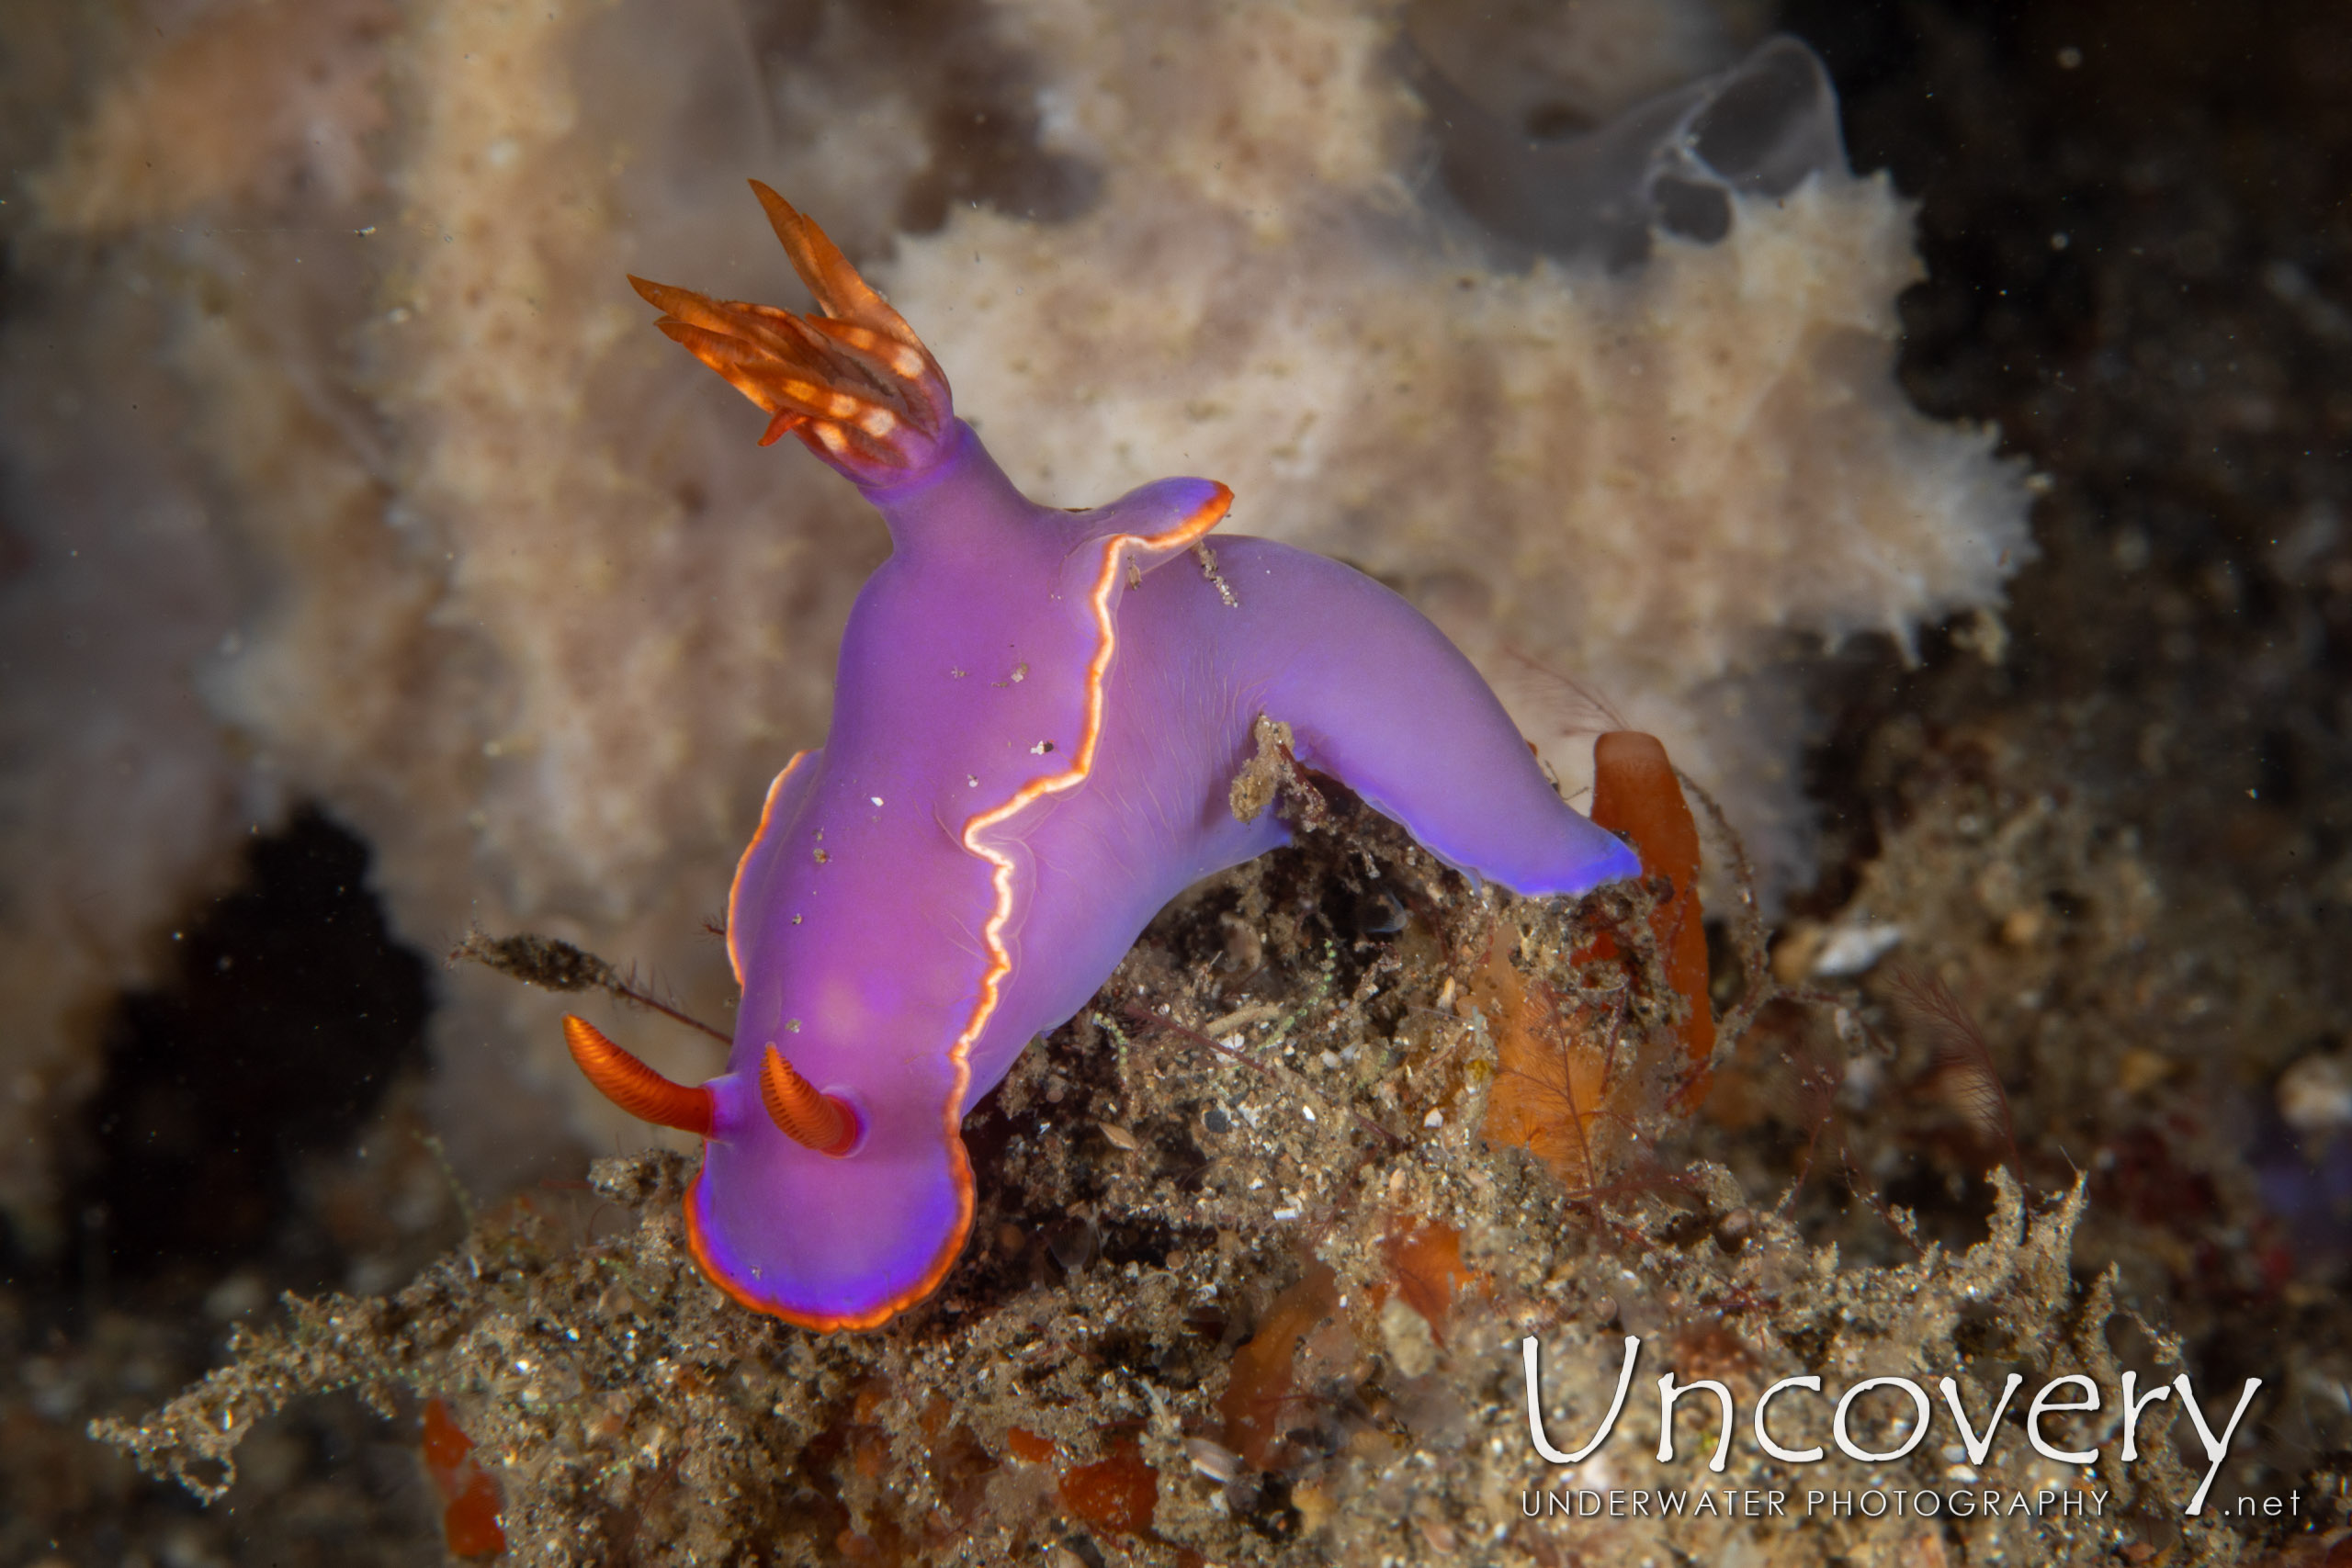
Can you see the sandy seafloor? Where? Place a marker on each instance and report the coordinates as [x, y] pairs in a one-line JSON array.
[[2123, 837]]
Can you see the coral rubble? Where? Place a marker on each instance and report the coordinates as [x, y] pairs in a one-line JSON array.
[[1247, 1288]]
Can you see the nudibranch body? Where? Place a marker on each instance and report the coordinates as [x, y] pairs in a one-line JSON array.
[[1037, 718]]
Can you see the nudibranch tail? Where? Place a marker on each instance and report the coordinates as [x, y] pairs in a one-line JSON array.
[[801, 1113], [854, 383], [634, 1086]]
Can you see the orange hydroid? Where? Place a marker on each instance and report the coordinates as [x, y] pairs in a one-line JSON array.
[[1634, 793], [1554, 1064], [469, 1493], [1256, 1403]]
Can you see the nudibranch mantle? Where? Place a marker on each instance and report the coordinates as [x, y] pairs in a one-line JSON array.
[[1038, 717]]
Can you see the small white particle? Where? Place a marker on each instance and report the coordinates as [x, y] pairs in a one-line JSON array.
[[1211, 1459], [875, 798], [973, 780], [1855, 949], [1307, 1111], [1434, 1119]]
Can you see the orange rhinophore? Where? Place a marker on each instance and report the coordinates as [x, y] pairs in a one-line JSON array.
[[1634, 793], [634, 1086], [469, 1494], [813, 1120]]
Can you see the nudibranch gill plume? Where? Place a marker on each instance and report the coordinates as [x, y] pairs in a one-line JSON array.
[[1038, 717]]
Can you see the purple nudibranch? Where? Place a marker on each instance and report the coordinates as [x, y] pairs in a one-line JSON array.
[[1037, 721]]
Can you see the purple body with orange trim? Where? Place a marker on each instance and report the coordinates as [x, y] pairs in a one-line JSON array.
[[1037, 719]]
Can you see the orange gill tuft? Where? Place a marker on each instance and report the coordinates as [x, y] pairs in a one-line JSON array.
[[853, 381]]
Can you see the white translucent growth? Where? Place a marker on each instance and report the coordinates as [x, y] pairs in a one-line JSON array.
[[1672, 164]]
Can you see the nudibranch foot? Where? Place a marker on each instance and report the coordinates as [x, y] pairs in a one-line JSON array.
[[634, 1086]]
